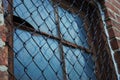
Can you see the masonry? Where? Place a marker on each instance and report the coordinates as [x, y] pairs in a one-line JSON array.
[[3, 47], [111, 9], [112, 18]]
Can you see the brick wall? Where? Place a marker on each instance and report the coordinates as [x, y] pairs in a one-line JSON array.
[[3, 47], [112, 18], [112, 15]]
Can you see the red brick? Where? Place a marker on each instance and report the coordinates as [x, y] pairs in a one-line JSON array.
[[109, 14], [4, 56], [109, 23], [116, 3], [115, 43], [117, 59], [3, 28], [3, 32], [115, 24], [4, 75], [112, 23], [118, 18], [3, 50], [111, 6], [113, 33]]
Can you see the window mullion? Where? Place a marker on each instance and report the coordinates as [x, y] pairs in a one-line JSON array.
[[62, 55]]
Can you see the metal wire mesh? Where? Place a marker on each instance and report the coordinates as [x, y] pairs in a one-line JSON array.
[[56, 40]]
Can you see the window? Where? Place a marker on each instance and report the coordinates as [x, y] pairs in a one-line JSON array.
[[50, 43]]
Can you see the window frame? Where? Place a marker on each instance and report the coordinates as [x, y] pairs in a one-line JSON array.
[[26, 28]]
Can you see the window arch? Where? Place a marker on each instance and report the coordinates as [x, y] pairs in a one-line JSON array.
[[50, 43]]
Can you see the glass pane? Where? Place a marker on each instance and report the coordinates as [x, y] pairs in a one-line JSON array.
[[79, 65], [72, 28], [38, 13], [38, 57], [34, 54]]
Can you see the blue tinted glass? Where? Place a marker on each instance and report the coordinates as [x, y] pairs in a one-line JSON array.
[[41, 48], [72, 28], [37, 14], [83, 64], [38, 57]]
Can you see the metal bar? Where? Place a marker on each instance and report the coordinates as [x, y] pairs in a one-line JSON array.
[[27, 27], [62, 55]]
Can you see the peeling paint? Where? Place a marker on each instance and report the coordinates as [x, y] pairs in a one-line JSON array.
[[3, 68], [2, 44]]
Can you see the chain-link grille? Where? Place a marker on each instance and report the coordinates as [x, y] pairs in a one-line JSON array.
[[56, 40]]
